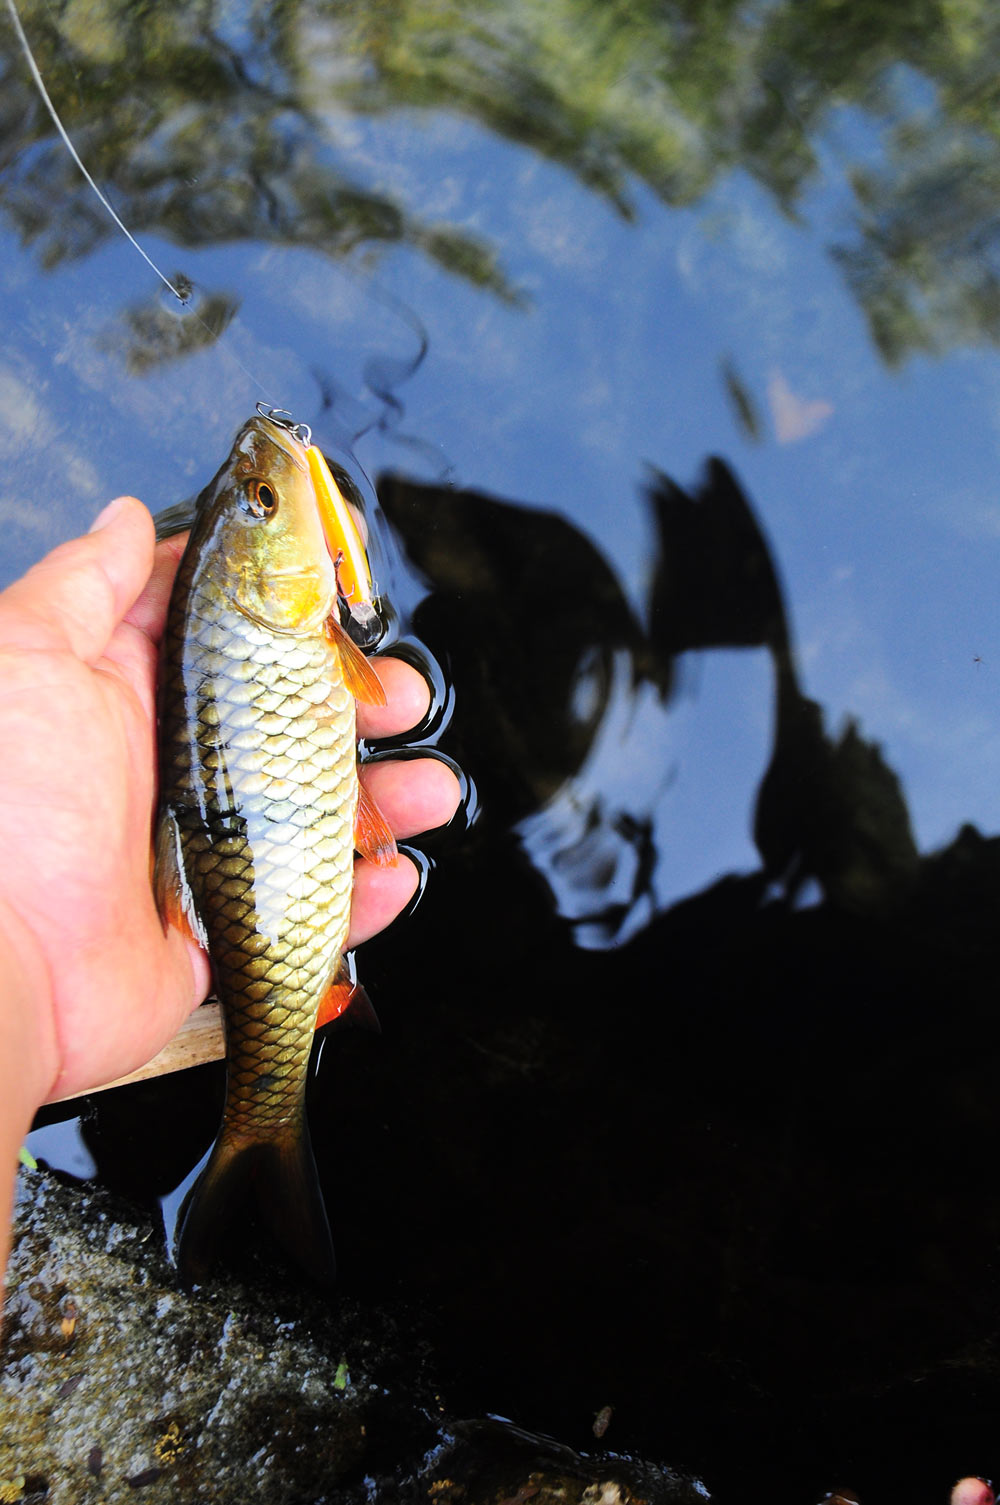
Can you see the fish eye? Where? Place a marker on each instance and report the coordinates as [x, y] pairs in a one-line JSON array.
[[261, 499]]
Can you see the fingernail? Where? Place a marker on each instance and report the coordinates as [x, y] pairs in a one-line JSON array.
[[107, 514]]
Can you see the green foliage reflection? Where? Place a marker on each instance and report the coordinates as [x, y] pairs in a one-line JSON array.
[[217, 121]]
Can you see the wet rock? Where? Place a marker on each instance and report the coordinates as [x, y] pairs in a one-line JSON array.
[[492, 1462], [117, 1385]]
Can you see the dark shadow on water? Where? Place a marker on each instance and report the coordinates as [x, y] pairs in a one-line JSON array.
[[731, 1178]]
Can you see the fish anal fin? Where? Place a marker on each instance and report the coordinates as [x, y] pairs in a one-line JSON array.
[[171, 889], [359, 676], [347, 1000], [372, 835]]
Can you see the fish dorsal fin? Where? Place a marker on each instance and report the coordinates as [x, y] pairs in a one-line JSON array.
[[372, 835], [359, 676]]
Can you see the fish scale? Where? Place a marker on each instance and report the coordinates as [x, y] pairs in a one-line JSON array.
[[245, 755]]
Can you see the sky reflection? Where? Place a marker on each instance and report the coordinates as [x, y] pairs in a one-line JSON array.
[[556, 310]]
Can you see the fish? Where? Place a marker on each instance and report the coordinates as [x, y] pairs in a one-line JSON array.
[[260, 812]]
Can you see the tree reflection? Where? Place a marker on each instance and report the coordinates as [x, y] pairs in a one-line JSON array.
[[926, 266], [206, 142], [213, 128], [150, 334]]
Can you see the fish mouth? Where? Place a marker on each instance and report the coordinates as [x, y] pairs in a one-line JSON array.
[[284, 439]]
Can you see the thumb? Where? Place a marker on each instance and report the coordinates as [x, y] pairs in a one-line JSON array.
[[75, 597]]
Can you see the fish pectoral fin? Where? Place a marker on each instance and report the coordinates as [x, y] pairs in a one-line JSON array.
[[372, 835], [346, 999], [171, 889], [359, 676]]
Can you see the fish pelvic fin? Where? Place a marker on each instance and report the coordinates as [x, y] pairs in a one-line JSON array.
[[280, 1177]]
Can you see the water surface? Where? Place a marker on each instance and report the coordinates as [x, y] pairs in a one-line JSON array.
[[689, 1056]]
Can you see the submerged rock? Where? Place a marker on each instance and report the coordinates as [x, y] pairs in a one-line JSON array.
[[118, 1385], [492, 1462]]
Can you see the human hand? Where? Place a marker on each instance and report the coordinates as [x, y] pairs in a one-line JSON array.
[[101, 986], [972, 1491]]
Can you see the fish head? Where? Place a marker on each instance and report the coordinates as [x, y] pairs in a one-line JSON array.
[[260, 533]]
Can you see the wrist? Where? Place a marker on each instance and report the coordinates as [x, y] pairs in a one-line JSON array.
[[29, 1053]]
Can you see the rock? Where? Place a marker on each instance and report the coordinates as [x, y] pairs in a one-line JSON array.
[[116, 1384]]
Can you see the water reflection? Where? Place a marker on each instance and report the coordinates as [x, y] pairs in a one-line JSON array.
[[213, 139], [600, 730], [925, 262], [831, 808], [226, 129], [161, 329], [517, 594], [594, 841]]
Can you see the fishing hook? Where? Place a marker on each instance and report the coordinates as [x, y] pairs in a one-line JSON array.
[[283, 418]]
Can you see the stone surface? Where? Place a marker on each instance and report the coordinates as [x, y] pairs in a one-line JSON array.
[[118, 1385]]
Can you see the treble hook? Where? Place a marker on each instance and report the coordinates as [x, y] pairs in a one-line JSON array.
[[283, 418]]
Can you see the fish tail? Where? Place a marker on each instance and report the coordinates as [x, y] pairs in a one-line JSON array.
[[291, 1200], [220, 1190], [281, 1176]]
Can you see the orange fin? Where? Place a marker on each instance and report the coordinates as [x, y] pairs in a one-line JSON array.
[[372, 836], [171, 890], [359, 676], [346, 999]]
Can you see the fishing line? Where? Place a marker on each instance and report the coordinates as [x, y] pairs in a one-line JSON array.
[[379, 376], [40, 85], [47, 101]]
